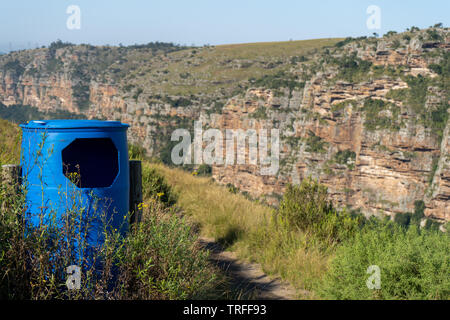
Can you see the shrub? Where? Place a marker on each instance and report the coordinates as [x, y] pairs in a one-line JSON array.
[[403, 219], [279, 80], [154, 185], [307, 208], [204, 170], [315, 144], [342, 157], [136, 152], [352, 68], [372, 108], [304, 205], [260, 113], [414, 264], [419, 208], [161, 259]]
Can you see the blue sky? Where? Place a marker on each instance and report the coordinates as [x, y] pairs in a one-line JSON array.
[[26, 24]]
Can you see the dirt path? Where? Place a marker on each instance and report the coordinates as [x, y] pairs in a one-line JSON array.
[[248, 278]]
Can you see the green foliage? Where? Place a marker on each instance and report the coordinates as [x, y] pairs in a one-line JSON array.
[[352, 68], [163, 261], [403, 219], [417, 93], [159, 258], [154, 185], [136, 152], [307, 208], [137, 94], [374, 121], [390, 33], [10, 137], [232, 188], [297, 59], [434, 35], [419, 209], [260, 113], [164, 47], [58, 44], [178, 102], [398, 94], [414, 264], [18, 113], [278, 80], [81, 93], [14, 66], [342, 157], [204, 170], [315, 144], [338, 107], [217, 108], [54, 65], [415, 97], [434, 167], [342, 43], [432, 225]]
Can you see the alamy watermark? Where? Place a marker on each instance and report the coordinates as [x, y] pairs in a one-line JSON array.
[[73, 281], [374, 281], [74, 20], [373, 22], [213, 152]]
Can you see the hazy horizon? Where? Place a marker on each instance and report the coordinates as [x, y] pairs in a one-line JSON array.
[[26, 25]]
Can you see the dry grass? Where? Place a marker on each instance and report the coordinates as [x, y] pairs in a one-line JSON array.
[[219, 212], [10, 138], [213, 69]]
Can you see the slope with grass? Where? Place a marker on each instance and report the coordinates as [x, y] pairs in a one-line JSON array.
[[321, 252]]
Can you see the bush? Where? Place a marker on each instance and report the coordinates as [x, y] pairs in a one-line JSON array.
[[307, 208], [352, 68], [204, 170], [136, 152], [403, 219], [414, 264], [161, 259], [342, 157], [154, 185], [372, 108], [315, 144]]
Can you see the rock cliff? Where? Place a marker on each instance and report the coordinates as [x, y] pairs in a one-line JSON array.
[[367, 117]]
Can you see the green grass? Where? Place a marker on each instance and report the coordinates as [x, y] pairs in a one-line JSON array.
[[414, 264]]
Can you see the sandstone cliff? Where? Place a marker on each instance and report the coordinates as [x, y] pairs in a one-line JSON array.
[[367, 117]]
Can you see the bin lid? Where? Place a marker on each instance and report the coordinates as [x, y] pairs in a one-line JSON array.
[[72, 124]]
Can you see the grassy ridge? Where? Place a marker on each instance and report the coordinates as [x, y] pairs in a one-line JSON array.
[[211, 68]]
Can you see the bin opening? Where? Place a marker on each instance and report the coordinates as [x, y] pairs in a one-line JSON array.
[[91, 162]]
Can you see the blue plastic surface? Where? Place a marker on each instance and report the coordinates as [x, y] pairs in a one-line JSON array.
[[52, 152]]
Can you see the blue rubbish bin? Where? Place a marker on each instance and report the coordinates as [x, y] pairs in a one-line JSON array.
[[70, 164]]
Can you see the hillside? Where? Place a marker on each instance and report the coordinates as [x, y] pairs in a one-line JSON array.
[[307, 257], [368, 117]]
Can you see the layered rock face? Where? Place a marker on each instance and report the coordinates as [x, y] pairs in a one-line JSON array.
[[368, 117]]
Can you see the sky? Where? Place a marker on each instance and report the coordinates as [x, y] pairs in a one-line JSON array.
[[32, 23]]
